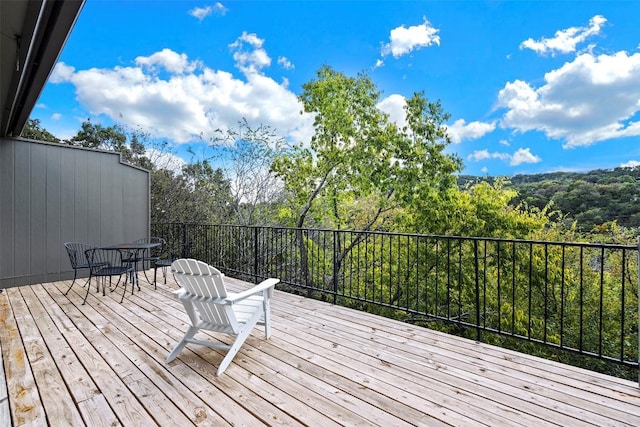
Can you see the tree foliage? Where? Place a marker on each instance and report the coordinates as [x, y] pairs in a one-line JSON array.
[[34, 130], [360, 168], [112, 138], [587, 198], [198, 194]]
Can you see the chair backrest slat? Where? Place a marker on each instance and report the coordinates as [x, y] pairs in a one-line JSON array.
[[157, 251], [201, 280], [77, 256]]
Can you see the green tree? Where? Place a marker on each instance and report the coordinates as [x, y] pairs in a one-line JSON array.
[[210, 192], [169, 190], [360, 169], [197, 194], [113, 138], [34, 130], [484, 210], [358, 157], [592, 198]]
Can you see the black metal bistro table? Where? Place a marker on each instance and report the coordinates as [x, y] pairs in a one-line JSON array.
[[137, 249]]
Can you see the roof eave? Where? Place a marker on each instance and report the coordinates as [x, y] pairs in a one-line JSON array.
[[45, 30]]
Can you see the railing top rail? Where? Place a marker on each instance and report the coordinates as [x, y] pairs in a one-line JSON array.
[[426, 236]]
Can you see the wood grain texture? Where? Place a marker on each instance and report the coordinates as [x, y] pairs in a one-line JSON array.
[[24, 401], [324, 366]]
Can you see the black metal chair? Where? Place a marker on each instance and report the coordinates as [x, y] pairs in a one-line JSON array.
[[110, 263], [146, 257], [78, 259], [166, 258]]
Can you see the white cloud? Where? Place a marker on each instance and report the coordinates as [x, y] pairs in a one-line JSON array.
[[522, 155], [165, 160], [630, 164], [202, 12], [379, 63], [460, 130], [56, 116], [219, 8], [187, 102], [565, 41], [169, 60], [479, 155], [591, 99], [61, 73], [394, 105], [403, 40], [249, 54], [285, 63]]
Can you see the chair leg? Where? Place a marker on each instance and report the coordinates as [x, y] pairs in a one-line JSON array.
[[155, 277], [235, 347], [267, 317], [124, 290], [75, 272], [178, 348], [145, 273], [237, 343], [88, 289]]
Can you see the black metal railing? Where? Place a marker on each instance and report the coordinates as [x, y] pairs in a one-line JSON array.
[[566, 297]]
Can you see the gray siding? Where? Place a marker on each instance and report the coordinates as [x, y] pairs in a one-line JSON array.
[[53, 193]]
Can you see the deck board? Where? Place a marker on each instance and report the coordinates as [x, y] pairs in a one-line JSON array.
[[517, 392], [64, 363]]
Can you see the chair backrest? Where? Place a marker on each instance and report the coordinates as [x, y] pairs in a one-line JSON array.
[[77, 256], [203, 281], [150, 240], [157, 250]]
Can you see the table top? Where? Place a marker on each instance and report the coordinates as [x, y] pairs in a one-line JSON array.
[[133, 246]]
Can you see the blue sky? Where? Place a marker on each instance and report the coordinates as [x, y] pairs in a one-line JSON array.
[[531, 86]]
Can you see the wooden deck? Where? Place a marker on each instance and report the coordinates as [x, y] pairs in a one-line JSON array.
[[102, 364]]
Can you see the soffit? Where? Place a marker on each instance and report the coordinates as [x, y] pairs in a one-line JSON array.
[[32, 35]]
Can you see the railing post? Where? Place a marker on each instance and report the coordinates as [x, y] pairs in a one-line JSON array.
[[477, 274], [638, 278], [336, 236], [184, 236], [255, 254]]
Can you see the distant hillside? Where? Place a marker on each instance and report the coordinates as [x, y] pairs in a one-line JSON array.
[[591, 198]]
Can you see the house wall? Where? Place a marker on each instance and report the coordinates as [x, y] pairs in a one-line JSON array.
[[54, 193]]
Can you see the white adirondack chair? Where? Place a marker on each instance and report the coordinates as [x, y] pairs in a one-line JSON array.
[[211, 308]]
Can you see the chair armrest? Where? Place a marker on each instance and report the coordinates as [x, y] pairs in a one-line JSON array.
[[178, 293], [265, 285]]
